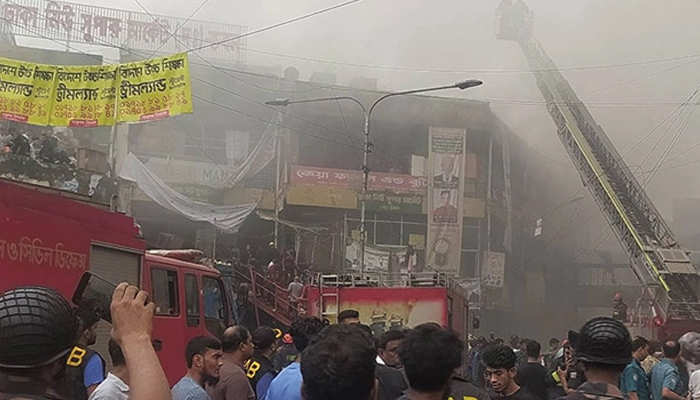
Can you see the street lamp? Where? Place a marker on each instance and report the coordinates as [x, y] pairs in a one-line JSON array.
[[367, 145]]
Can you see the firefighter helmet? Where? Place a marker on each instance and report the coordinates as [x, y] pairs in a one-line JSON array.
[[602, 340], [37, 327], [618, 296]]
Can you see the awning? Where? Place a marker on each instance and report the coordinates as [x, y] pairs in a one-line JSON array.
[[226, 218]]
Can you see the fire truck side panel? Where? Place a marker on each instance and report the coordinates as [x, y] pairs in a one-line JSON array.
[[384, 308]]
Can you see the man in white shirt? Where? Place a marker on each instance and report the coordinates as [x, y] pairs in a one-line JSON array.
[[116, 385]]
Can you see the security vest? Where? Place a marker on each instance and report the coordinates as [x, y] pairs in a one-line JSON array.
[[256, 368], [73, 383]]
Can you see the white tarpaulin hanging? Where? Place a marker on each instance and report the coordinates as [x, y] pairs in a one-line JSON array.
[[226, 218]]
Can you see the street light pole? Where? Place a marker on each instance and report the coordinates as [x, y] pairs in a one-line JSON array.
[[367, 144]]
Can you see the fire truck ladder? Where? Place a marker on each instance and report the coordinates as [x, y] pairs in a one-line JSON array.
[[658, 261], [329, 301]]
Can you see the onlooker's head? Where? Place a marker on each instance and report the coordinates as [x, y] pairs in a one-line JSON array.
[[533, 349], [640, 348], [349, 317], [265, 340], [90, 320], [339, 364], [553, 343], [388, 349], [238, 341], [500, 367], [303, 330], [116, 354], [671, 349], [514, 341], [430, 354], [203, 355], [38, 328]]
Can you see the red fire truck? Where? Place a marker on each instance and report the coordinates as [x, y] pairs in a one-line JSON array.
[[49, 238], [384, 301]]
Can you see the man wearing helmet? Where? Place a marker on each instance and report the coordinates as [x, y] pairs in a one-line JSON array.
[[286, 354], [602, 347], [619, 308], [38, 329]]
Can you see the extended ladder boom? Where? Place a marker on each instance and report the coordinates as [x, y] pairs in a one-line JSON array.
[[661, 265]]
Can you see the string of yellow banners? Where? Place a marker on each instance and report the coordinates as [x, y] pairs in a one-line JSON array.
[[95, 95]]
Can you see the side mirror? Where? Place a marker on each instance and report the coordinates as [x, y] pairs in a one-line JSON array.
[[476, 323]]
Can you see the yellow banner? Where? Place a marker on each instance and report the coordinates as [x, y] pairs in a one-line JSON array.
[[85, 96], [154, 89], [26, 91]]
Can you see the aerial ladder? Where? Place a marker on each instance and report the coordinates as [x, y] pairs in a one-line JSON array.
[[666, 273]]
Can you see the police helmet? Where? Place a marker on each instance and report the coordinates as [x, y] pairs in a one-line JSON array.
[[37, 327], [602, 340]]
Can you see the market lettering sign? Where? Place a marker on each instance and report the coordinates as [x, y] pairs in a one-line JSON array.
[[404, 203], [89, 96], [378, 181], [81, 23]]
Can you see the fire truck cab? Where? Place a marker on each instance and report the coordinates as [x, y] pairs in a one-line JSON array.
[[50, 238]]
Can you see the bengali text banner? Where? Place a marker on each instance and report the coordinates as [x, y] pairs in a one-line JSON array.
[[85, 96], [154, 89], [26, 91]]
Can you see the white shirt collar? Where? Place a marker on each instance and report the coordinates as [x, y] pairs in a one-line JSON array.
[[118, 382], [380, 361]]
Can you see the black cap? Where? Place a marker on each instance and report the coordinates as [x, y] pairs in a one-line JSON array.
[[602, 340], [37, 327], [264, 337]]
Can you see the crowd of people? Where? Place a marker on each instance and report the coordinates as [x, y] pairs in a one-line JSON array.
[[54, 147], [45, 354]]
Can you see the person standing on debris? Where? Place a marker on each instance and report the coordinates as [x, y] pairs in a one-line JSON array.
[[619, 308]]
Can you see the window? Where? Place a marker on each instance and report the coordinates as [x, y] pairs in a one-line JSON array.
[[192, 300], [214, 310], [469, 266], [470, 238], [390, 229], [165, 294]]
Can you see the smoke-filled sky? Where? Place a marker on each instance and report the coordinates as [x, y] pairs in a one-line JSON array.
[[458, 35]]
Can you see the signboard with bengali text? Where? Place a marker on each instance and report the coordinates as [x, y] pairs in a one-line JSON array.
[[378, 181], [26, 91], [85, 96], [82, 23], [154, 89]]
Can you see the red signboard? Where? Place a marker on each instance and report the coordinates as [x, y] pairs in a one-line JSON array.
[[378, 181]]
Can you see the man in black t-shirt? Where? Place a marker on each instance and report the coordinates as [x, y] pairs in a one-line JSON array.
[[531, 376], [500, 374]]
